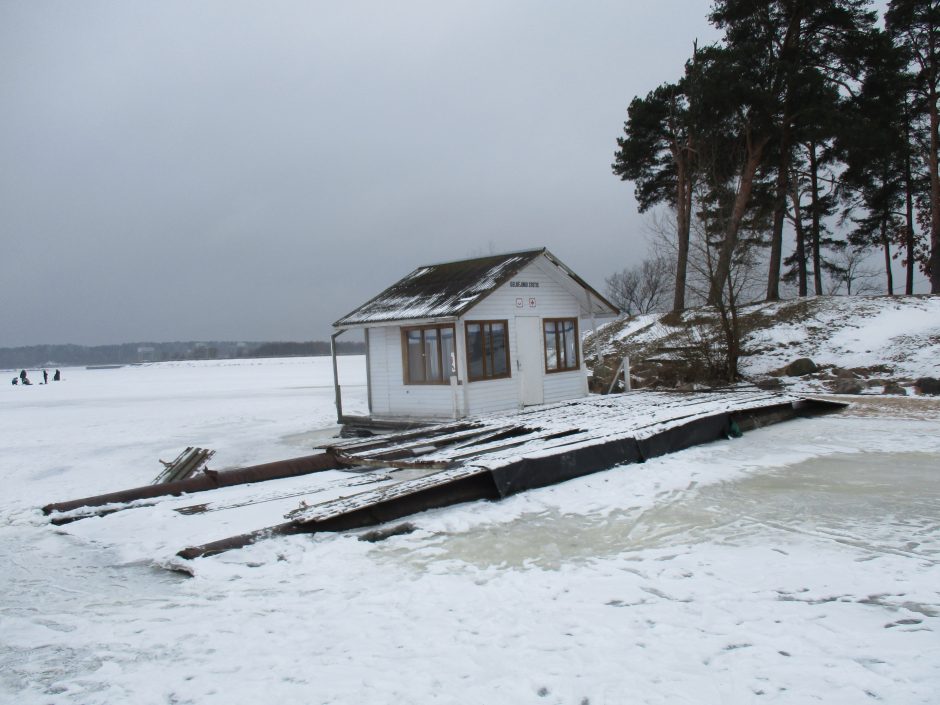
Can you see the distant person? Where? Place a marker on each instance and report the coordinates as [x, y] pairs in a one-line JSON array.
[[16, 381], [26, 380], [57, 376], [23, 376], [45, 377]]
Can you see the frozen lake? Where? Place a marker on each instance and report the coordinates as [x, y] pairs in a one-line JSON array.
[[798, 564]]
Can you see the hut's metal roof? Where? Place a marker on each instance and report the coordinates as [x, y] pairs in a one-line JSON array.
[[446, 290]]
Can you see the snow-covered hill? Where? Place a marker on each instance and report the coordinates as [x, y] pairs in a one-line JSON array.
[[874, 339]]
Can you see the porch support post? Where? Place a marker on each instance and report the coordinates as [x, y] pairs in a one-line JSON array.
[[336, 389]]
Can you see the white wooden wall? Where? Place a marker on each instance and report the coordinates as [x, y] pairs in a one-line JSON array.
[[551, 301], [391, 398]]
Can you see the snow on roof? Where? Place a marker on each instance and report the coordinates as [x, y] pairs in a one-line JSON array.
[[449, 289], [440, 290]]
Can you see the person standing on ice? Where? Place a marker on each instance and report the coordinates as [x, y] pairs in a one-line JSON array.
[[45, 377], [23, 376]]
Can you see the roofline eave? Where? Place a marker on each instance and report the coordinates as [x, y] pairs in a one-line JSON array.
[[396, 323]]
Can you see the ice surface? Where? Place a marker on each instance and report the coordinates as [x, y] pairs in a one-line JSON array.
[[798, 564]]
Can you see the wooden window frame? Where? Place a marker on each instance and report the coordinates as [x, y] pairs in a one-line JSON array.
[[466, 341], [559, 346], [406, 369]]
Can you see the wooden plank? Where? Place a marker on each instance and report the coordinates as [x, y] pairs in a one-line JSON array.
[[344, 505], [360, 444], [416, 446]]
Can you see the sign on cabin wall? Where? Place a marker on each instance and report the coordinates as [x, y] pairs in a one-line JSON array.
[[522, 301]]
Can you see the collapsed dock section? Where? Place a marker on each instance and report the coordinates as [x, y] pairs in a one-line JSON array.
[[491, 457]]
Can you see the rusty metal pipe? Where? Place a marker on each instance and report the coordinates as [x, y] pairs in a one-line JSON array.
[[207, 481]]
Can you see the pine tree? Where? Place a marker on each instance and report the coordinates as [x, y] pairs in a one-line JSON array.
[[797, 41], [879, 181], [657, 153], [914, 25]]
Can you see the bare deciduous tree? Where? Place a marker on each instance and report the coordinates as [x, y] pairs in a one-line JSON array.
[[850, 270], [713, 347], [644, 288]]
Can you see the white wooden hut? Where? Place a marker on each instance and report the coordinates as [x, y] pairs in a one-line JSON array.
[[487, 334]]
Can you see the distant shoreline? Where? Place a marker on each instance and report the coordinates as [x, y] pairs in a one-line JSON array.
[[67, 355]]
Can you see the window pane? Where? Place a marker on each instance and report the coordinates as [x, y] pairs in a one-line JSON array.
[[432, 360], [447, 353], [571, 357], [487, 350], [475, 350], [415, 372], [551, 349], [498, 341]]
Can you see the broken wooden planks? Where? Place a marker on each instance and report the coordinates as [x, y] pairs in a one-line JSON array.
[[186, 465]]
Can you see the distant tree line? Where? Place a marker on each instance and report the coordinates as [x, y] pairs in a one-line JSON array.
[[313, 348], [785, 153], [34, 356]]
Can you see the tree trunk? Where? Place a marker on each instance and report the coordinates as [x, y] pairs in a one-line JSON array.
[[734, 337], [909, 224], [934, 189], [800, 239], [886, 243], [814, 211], [790, 47], [741, 199], [683, 227], [780, 207]]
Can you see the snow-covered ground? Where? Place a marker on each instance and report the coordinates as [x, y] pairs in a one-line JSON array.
[[798, 564], [898, 336]]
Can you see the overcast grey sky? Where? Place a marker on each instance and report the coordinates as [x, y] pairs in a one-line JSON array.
[[253, 170]]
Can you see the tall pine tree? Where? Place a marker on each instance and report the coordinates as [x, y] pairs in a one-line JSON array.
[[914, 25], [657, 153], [793, 39]]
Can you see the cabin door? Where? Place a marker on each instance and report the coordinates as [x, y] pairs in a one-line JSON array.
[[530, 360]]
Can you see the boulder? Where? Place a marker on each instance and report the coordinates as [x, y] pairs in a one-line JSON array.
[[770, 384], [895, 388], [841, 373], [801, 366], [846, 386], [927, 385]]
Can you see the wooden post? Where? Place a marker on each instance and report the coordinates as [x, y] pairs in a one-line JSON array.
[[626, 374], [368, 373], [336, 389]]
